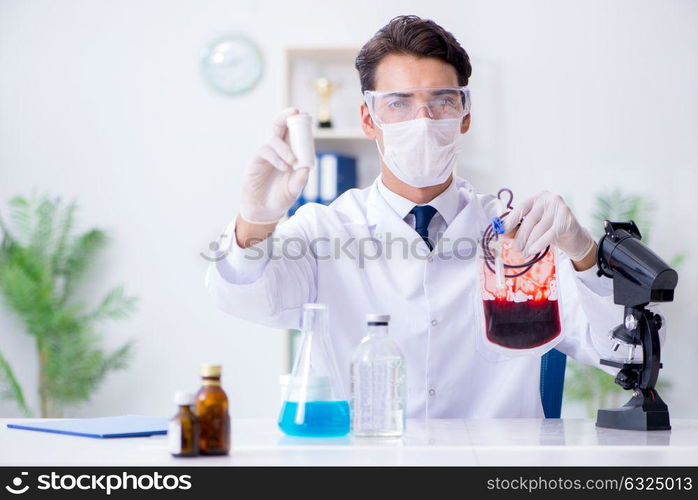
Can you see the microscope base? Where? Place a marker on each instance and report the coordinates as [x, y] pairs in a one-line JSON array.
[[640, 413]]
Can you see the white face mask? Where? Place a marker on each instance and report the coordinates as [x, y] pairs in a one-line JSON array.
[[421, 152]]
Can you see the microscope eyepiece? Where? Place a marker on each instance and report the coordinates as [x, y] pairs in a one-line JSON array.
[[639, 275]]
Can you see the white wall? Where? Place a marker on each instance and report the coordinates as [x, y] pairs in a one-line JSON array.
[[102, 100]]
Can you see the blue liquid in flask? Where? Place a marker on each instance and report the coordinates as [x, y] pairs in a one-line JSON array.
[[322, 419]]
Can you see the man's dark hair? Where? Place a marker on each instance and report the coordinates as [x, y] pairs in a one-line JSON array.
[[415, 36]]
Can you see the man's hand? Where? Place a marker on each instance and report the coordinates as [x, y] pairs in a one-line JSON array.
[[270, 186], [547, 220]]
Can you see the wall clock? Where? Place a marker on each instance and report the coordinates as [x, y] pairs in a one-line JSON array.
[[231, 64]]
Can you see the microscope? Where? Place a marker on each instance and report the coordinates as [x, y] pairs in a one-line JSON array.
[[639, 277]]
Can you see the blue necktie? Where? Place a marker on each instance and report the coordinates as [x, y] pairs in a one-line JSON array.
[[422, 217]]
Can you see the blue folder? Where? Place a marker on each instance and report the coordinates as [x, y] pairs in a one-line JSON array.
[[103, 427]]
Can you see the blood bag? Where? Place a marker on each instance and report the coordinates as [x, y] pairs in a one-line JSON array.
[[520, 296]]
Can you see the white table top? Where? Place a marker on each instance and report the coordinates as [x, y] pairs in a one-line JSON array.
[[433, 442]]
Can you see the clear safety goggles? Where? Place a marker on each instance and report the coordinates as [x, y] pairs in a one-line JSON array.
[[395, 106]]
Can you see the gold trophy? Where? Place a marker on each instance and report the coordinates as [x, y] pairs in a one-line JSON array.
[[324, 89]]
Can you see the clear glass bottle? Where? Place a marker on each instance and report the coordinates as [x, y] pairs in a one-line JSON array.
[[378, 383], [315, 404], [212, 412], [183, 431]]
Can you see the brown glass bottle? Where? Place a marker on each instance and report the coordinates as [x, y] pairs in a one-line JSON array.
[[212, 412], [183, 431]]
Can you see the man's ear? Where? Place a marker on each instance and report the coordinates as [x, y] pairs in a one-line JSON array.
[[465, 124], [367, 124]]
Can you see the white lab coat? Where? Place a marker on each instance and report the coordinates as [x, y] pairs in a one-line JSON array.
[[434, 301]]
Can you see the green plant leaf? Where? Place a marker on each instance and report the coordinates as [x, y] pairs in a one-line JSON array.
[[618, 206], [76, 368], [80, 254], [64, 224], [116, 304], [10, 388], [28, 293], [591, 386], [119, 358]]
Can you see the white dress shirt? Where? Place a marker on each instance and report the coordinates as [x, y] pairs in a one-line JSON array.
[[446, 205], [359, 256]]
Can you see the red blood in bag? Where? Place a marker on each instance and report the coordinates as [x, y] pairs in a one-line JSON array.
[[521, 325], [524, 313]]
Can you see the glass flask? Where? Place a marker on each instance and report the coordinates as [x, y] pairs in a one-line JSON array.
[[378, 383], [519, 298], [315, 403]]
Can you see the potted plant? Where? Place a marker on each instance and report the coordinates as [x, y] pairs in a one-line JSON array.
[[43, 262]]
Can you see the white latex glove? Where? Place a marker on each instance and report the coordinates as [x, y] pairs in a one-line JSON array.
[[271, 185], [547, 220]]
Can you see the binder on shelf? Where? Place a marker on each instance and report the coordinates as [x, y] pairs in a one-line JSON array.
[[335, 173]]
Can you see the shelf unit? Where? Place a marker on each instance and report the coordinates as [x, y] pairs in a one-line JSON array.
[[305, 64]]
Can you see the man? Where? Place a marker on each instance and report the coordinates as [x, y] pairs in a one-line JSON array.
[[406, 244]]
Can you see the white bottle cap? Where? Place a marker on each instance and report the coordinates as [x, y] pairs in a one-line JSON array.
[[183, 398], [377, 318], [300, 135], [301, 118]]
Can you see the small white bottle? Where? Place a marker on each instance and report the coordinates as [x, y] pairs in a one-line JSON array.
[[300, 136], [183, 430], [378, 383]]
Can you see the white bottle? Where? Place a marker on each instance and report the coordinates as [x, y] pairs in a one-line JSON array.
[[300, 136], [378, 383]]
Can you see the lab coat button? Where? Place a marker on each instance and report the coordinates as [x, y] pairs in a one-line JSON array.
[[434, 322], [432, 392], [431, 259]]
